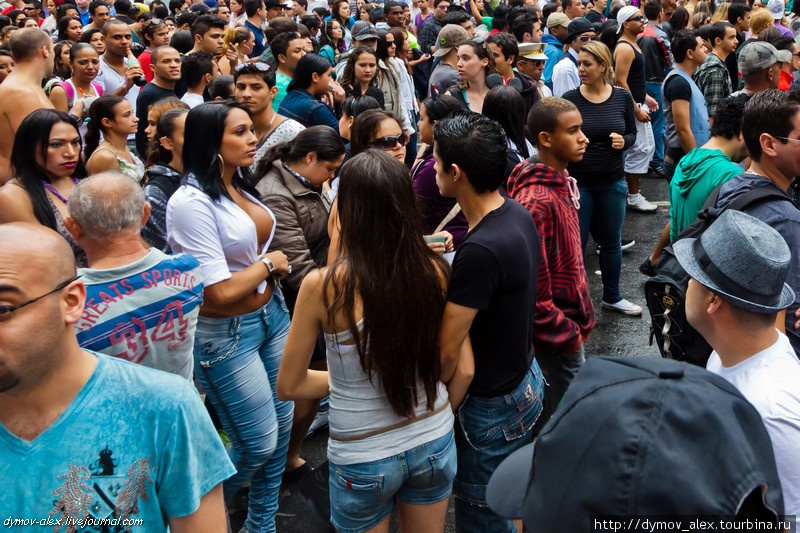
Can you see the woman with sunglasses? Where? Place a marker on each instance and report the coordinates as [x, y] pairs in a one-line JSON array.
[[311, 83], [216, 217], [389, 79], [359, 76], [378, 129], [475, 63], [391, 426], [609, 123], [46, 164]]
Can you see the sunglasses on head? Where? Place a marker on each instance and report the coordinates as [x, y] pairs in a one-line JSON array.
[[263, 67], [388, 143]]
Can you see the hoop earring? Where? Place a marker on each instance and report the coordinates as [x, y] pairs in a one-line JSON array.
[[222, 168]]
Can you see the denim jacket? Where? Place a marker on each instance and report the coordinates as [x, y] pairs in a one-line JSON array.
[[303, 107]]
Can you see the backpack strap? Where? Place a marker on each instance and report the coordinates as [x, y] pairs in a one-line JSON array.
[[164, 184], [67, 86]]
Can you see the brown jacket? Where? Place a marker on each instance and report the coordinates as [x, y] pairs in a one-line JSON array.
[[301, 230]]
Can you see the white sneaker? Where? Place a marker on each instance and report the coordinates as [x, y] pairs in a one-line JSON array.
[[623, 306], [639, 203]]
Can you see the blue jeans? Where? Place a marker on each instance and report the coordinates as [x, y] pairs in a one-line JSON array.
[[658, 122], [362, 494], [602, 212], [487, 431], [236, 365]]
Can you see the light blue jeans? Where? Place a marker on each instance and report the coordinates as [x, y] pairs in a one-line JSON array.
[[236, 365], [363, 494]]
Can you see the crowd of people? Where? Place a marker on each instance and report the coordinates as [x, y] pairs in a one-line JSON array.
[[227, 224]]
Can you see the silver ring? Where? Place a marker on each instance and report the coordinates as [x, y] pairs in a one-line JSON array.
[[289, 271]]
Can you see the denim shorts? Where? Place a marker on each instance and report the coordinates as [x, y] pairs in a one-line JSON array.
[[362, 494]]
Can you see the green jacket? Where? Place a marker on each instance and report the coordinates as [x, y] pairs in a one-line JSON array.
[[698, 173]]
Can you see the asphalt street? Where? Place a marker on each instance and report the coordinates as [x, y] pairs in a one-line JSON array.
[[615, 334]]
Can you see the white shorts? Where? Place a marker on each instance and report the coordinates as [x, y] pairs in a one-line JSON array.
[[638, 156]]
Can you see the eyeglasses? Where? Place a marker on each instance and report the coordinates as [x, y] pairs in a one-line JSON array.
[[587, 38], [7, 310], [785, 138], [262, 67], [389, 143]]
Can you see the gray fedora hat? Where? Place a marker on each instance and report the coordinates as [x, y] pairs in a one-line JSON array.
[[743, 260]]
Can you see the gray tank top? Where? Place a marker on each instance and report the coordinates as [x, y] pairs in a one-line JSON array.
[[359, 407]]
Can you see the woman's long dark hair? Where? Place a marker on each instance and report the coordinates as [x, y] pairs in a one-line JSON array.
[[349, 74], [504, 105], [309, 64], [384, 262], [202, 138], [364, 128], [60, 69], [382, 50], [165, 127], [62, 24], [322, 140], [327, 38], [30, 141], [335, 13], [103, 107]]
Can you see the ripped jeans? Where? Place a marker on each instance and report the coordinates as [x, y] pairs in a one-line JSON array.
[[487, 431], [236, 365]]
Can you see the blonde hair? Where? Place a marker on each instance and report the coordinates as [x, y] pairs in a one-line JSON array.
[[760, 20], [698, 20], [602, 55], [234, 36], [721, 13]]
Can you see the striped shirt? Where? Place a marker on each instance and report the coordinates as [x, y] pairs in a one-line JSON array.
[[144, 312]]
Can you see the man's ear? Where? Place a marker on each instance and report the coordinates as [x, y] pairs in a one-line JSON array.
[[73, 227]]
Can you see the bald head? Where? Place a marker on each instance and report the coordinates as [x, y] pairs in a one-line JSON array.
[[107, 204], [35, 250], [26, 43]]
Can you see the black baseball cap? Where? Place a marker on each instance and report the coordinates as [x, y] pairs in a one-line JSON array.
[[641, 436]]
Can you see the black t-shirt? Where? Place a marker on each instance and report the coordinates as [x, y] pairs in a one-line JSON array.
[[593, 16], [149, 94], [495, 272], [677, 88]]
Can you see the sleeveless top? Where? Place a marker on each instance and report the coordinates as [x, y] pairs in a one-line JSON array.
[[134, 171], [80, 255], [359, 407], [636, 77], [698, 113]]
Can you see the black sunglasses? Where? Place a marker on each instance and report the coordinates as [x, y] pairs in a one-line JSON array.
[[388, 143]]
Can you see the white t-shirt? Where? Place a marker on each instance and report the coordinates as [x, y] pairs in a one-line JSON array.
[[192, 100], [769, 380]]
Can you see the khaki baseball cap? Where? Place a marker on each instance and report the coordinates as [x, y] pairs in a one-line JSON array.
[[557, 19], [449, 37]]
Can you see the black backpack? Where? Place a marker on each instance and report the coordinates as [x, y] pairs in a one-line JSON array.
[[666, 291]]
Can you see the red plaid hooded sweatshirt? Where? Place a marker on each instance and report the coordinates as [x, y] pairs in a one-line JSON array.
[[564, 313]]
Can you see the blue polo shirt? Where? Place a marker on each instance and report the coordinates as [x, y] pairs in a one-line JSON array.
[[261, 40]]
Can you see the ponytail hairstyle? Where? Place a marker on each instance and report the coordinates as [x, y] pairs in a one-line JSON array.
[[103, 107], [202, 138], [322, 140], [30, 144], [308, 65], [165, 127]]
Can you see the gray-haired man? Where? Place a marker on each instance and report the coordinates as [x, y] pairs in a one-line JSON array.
[[141, 304], [738, 270]]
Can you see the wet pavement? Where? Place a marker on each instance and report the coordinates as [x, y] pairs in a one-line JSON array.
[[615, 334]]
